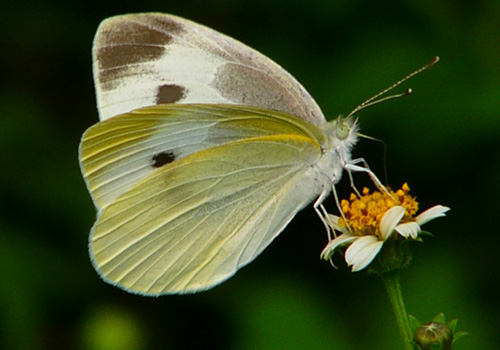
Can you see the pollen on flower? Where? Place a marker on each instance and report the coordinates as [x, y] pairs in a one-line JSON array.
[[363, 214], [371, 221]]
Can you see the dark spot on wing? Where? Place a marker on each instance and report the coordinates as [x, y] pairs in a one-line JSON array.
[[162, 159], [170, 93]]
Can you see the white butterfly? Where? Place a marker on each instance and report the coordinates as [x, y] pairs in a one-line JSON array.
[[205, 151]]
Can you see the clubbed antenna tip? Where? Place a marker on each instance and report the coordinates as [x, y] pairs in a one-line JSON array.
[[375, 99]]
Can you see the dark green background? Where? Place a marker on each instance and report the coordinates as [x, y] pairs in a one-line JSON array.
[[444, 140]]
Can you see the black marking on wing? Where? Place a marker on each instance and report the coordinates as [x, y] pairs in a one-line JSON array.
[[162, 159], [170, 93]]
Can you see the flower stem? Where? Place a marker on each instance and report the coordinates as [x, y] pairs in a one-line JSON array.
[[392, 282]]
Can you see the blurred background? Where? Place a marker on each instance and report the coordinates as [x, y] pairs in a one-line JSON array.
[[444, 140]]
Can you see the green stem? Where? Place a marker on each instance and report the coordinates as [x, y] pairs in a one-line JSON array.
[[392, 282]]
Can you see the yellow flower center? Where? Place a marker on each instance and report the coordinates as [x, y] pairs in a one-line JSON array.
[[364, 214]]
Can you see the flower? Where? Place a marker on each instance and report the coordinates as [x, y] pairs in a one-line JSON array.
[[370, 221]]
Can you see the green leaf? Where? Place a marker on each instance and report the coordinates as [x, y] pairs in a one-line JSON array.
[[440, 318], [414, 323], [453, 325], [458, 335]]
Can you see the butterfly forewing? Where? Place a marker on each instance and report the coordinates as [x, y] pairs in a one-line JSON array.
[[148, 59], [191, 223]]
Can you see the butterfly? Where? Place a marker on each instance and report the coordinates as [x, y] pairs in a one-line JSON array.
[[205, 151]]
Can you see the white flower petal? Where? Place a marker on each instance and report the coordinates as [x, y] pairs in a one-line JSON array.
[[336, 243], [333, 222], [362, 252], [431, 214], [409, 229], [389, 221]]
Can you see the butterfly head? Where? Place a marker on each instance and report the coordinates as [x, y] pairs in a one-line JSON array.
[[345, 130]]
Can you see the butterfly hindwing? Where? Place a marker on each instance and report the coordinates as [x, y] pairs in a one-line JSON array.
[[230, 179], [116, 154]]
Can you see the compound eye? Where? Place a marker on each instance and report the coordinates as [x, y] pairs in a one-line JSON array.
[[343, 129]]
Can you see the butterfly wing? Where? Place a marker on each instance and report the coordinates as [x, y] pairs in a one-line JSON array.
[[117, 154], [148, 59], [190, 220]]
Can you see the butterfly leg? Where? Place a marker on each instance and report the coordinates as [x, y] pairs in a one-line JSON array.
[[322, 213], [364, 168], [337, 202], [351, 181]]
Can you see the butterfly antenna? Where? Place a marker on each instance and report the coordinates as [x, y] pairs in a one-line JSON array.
[[376, 99]]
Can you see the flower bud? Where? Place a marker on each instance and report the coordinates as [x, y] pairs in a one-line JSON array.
[[434, 333]]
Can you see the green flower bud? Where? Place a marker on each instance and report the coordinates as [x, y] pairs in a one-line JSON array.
[[434, 333]]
